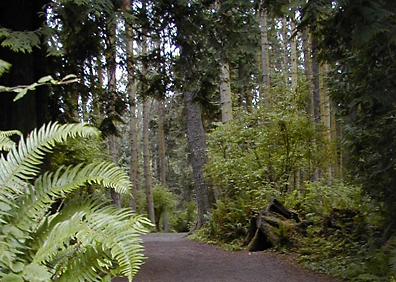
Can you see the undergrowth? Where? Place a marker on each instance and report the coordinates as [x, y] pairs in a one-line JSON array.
[[345, 240]]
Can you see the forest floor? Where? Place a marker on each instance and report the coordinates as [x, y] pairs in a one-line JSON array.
[[173, 258]]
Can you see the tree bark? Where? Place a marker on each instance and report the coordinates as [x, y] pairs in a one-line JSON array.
[[146, 150], [132, 105], [225, 92], [161, 155], [112, 90], [285, 52], [265, 69], [146, 160], [197, 145], [315, 96]]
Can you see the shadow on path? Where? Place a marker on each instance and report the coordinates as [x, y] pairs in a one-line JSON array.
[[172, 258]]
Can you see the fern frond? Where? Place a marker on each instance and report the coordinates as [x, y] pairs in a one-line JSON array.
[[60, 237], [6, 144], [90, 265], [100, 235], [22, 162], [121, 237], [50, 186]]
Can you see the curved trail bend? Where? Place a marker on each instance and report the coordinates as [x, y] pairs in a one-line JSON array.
[[172, 258]]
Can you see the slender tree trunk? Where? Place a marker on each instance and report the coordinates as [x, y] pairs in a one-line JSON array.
[[315, 96], [161, 155], [197, 145], [294, 59], [112, 90], [225, 92], [307, 66], [132, 105], [265, 69], [294, 75], [146, 150], [146, 160], [225, 81], [285, 52], [325, 114]]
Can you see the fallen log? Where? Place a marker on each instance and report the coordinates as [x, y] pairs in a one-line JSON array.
[[271, 227]]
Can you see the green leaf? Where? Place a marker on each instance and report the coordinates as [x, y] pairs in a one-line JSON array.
[[18, 266], [12, 278], [45, 79], [21, 92], [4, 207], [4, 67], [36, 273]]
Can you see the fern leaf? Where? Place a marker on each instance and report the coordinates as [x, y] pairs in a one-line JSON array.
[[50, 186], [21, 163], [121, 237]]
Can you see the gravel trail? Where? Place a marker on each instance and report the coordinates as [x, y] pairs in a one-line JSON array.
[[172, 258]]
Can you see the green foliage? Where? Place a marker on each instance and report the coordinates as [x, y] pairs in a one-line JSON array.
[[19, 41], [318, 199], [227, 224], [258, 153], [163, 200], [4, 67], [22, 90], [82, 240], [184, 217], [357, 38], [181, 215]]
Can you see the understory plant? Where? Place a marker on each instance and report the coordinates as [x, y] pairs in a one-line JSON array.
[[46, 236]]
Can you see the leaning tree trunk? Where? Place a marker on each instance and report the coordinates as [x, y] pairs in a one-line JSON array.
[[197, 145]]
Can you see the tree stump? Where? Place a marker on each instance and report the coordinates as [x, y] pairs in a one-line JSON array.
[[270, 228]]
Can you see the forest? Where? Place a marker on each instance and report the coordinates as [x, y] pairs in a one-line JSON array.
[[124, 117]]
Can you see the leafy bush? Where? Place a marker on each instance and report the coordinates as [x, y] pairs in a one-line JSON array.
[[83, 240], [184, 217], [227, 224], [258, 153]]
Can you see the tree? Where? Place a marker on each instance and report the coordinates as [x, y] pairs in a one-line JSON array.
[[357, 39]]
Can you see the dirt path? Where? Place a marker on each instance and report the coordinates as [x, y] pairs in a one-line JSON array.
[[172, 258]]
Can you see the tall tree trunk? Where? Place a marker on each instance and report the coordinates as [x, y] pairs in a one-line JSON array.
[[315, 96], [161, 155], [325, 114], [146, 150], [225, 92], [265, 69], [294, 59], [307, 65], [294, 75], [132, 105], [225, 81], [285, 52], [197, 145], [112, 90], [146, 161]]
